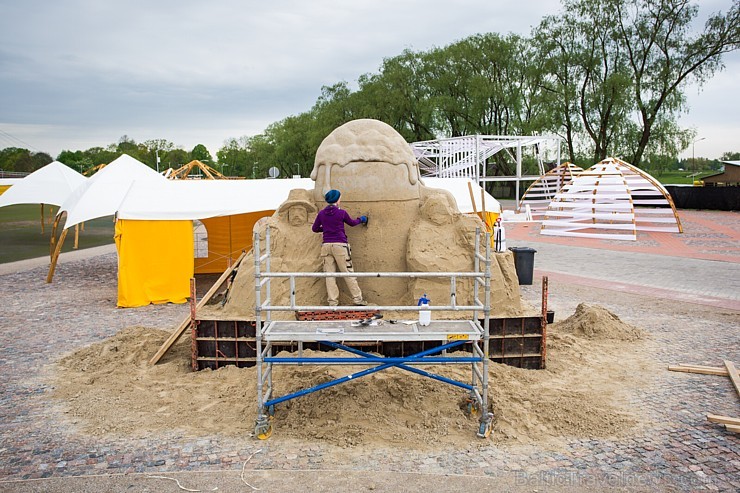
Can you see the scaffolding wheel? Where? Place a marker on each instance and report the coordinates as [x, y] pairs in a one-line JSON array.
[[263, 427], [486, 426]]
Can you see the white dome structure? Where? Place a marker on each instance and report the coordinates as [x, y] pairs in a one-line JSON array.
[[611, 200], [541, 192]]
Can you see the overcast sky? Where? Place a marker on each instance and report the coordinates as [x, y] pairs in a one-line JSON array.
[[75, 74]]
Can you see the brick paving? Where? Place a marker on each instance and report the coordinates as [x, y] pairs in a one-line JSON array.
[[678, 450], [708, 235]]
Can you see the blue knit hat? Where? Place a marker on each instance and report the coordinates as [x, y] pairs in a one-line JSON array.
[[332, 196]]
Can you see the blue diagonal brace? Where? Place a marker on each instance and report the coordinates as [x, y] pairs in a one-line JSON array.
[[418, 371], [369, 371]]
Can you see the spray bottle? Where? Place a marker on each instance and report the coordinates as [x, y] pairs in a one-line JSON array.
[[425, 316], [499, 236]]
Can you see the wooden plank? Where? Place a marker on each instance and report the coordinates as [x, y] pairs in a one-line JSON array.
[[733, 428], [703, 371], [186, 322], [472, 198], [725, 420], [689, 365], [732, 373]]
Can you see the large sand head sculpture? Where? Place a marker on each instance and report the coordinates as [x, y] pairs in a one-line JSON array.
[[368, 161], [411, 228]]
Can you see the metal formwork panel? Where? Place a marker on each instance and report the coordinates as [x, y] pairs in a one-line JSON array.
[[224, 342]]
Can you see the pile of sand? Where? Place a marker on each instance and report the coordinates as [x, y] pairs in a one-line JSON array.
[[108, 388], [596, 322]]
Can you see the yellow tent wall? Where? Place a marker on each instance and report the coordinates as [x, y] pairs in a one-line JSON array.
[[155, 258], [228, 236], [155, 261]]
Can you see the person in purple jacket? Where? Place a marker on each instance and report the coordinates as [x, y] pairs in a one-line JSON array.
[[335, 250]]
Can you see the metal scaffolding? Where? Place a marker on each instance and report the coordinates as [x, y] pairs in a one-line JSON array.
[[466, 156], [453, 334]]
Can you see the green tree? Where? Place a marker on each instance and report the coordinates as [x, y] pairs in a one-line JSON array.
[[627, 64], [156, 147], [556, 41], [730, 156], [233, 157], [663, 55], [22, 160], [174, 159], [400, 96], [200, 152], [127, 145], [79, 161]]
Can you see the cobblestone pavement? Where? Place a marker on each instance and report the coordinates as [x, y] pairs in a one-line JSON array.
[[677, 450], [708, 235]]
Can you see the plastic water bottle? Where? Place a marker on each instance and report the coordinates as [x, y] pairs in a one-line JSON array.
[[425, 316]]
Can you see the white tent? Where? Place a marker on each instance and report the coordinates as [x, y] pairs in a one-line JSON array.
[[458, 187], [200, 199], [102, 194], [51, 184]]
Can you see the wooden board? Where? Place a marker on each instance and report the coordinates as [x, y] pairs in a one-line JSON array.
[[186, 322], [732, 373], [690, 365], [725, 420], [733, 428], [707, 370]]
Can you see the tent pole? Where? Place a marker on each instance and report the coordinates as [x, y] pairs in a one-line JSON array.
[[77, 237], [54, 259], [53, 239], [42, 218]]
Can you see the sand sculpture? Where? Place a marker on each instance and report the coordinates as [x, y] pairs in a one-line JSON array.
[[412, 227]]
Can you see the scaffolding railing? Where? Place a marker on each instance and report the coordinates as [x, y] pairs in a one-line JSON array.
[[454, 333], [468, 156]]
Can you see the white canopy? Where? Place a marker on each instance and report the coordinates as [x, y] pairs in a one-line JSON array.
[[134, 191], [199, 199], [102, 194], [51, 184], [458, 187]]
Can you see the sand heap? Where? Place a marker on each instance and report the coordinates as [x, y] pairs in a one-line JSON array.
[[412, 227], [108, 388], [596, 322]]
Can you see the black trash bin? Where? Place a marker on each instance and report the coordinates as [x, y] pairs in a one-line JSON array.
[[524, 264]]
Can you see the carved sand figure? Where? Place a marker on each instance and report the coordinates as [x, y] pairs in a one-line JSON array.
[[443, 240]]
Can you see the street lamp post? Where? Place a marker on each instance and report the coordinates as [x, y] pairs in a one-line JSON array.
[[298, 165], [693, 153], [254, 171]]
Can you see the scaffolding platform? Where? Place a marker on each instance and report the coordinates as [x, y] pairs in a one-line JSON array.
[[347, 331]]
